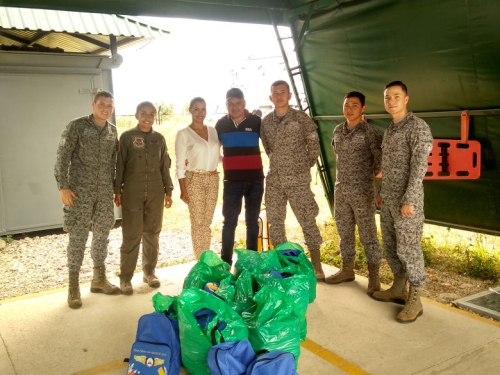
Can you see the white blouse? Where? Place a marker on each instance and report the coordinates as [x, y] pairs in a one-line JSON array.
[[192, 152]]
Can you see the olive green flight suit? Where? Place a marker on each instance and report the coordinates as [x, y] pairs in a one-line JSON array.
[[143, 180]]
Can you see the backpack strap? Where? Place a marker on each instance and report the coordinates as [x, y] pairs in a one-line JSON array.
[[218, 327]]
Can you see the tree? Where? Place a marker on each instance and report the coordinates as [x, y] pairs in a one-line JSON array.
[[165, 111]]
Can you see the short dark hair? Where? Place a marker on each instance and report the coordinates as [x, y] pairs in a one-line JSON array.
[[397, 83], [102, 94], [235, 93], [280, 82], [356, 94], [145, 104], [198, 99]]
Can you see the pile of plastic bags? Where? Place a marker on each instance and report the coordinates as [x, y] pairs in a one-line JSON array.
[[265, 302]]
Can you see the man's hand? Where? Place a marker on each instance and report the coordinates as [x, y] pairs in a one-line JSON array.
[[168, 201], [67, 196], [407, 210], [185, 197], [118, 200], [378, 201]]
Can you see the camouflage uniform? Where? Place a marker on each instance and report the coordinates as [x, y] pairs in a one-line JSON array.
[[85, 163], [405, 149], [359, 157], [292, 144], [143, 180]]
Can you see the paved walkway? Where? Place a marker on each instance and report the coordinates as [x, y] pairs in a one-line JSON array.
[[348, 333]]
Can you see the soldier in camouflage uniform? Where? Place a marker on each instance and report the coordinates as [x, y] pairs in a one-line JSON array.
[[85, 170], [142, 187], [356, 144], [405, 149], [290, 139]]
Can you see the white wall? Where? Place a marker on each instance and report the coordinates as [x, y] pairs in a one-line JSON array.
[[39, 95]]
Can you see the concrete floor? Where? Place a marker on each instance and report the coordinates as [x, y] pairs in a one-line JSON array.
[[348, 333]]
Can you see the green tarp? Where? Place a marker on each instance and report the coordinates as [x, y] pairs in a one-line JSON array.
[[446, 51]]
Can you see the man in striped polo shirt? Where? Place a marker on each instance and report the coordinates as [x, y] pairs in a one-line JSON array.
[[239, 133]]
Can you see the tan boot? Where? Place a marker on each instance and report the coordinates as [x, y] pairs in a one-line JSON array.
[[100, 283], [74, 299], [316, 262], [152, 280], [126, 287], [373, 280], [345, 274], [413, 308], [396, 293]]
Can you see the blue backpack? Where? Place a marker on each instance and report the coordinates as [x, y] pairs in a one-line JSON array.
[[224, 358], [230, 358], [273, 363], [156, 350]]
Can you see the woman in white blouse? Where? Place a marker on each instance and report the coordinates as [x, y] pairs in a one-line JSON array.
[[197, 153]]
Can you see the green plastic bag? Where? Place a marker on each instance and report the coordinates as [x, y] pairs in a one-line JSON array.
[[226, 289], [244, 292], [195, 340], [297, 265], [272, 323], [256, 262], [163, 303], [296, 287], [210, 268]]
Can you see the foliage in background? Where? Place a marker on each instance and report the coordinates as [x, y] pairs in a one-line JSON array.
[[165, 112], [465, 253]]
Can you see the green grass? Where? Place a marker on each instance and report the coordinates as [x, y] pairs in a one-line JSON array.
[[462, 252], [7, 239]]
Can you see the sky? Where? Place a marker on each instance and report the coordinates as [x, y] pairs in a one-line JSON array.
[[200, 58]]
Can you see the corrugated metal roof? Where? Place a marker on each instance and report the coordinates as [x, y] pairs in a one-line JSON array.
[[74, 22], [71, 31]]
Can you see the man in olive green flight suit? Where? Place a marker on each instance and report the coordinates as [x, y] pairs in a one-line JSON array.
[[142, 187]]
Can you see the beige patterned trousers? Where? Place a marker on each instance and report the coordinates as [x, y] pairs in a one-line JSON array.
[[203, 189]]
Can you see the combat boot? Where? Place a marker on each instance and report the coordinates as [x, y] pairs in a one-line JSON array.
[[396, 293], [345, 274], [100, 283], [126, 287], [373, 280], [316, 262], [74, 299], [152, 280], [413, 308]]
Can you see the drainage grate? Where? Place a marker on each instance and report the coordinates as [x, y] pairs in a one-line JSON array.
[[485, 303]]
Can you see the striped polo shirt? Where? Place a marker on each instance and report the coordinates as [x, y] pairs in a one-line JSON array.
[[240, 145]]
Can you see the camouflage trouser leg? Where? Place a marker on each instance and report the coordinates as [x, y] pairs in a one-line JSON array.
[[103, 220], [346, 225], [276, 201], [153, 220], [77, 221], [306, 209], [364, 212], [401, 237], [202, 190]]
